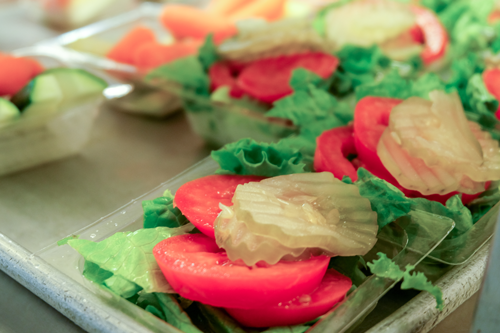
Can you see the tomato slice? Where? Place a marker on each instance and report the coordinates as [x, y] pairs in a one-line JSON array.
[[199, 199], [332, 149], [268, 79], [371, 117], [199, 270], [16, 72], [223, 74], [300, 309], [491, 78], [494, 16], [434, 33]]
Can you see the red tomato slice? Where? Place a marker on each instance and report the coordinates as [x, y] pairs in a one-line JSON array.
[[268, 79], [491, 78], [224, 74], [332, 148], [15, 73], [371, 117], [435, 35], [300, 309], [199, 270], [199, 199]]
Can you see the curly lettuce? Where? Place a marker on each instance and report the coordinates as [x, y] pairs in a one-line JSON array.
[[247, 157], [160, 212]]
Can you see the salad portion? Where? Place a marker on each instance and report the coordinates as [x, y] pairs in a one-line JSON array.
[[45, 114], [280, 234]]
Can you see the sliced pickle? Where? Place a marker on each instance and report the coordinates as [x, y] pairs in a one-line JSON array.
[[295, 216], [431, 147], [263, 40]]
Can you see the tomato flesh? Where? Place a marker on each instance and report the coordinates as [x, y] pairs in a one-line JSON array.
[[199, 270], [268, 79], [223, 74], [434, 33], [199, 199], [333, 148], [491, 78], [300, 309]]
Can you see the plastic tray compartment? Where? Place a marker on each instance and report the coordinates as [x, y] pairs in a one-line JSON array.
[[393, 241], [216, 123], [25, 143], [88, 46]]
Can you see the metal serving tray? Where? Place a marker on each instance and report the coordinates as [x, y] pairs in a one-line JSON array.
[[54, 274]]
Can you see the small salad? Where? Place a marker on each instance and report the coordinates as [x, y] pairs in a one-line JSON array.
[[29, 91], [276, 237]]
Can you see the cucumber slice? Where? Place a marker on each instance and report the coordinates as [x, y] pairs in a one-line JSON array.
[[8, 111], [57, 88]]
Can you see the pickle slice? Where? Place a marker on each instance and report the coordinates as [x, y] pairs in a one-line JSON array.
[[294, 216]]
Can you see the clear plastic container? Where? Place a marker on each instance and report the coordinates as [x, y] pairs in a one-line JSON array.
[[88, 46], [393, 240], [216, 123], [27, 142]]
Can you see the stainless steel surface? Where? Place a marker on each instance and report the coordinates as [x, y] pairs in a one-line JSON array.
[[486, 317], [89, 312]]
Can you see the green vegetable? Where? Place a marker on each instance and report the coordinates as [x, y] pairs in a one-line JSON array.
[[8, 111], [188, 72], [482, 204], [390, 203], [127, 255], [57, 88], [394, 86], [349, 266], [160, 212], [386, 268], [174, 314], [247, 157], [207, 54]]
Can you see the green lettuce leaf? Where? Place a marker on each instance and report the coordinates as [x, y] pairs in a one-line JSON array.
[[395, 86], [480, 99], [390, 203], [482, 204], [65, 240], [349, 266], [160, 212], [247, 157], [309, 105], [188, 72], [386, 268], [385, 199], [128, 255], [207, 54], [302, 78], [174, 314]]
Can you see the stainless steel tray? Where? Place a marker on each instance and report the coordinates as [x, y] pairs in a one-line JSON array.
[[66, 290]]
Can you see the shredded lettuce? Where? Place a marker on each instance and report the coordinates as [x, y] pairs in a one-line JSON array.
[[160, 212], [386, 268], [247, 157], [127, 255]]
